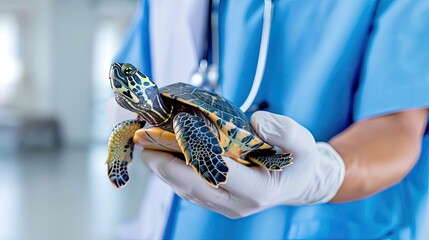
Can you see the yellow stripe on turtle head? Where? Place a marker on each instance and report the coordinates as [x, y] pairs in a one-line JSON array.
[[136, 92], [145, 81], [128, 81], [125, 91]]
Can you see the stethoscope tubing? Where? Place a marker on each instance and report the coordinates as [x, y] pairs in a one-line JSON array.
[[262, 58], [207, 76]]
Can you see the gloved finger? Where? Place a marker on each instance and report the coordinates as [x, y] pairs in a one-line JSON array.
[[187, 184], [163, 164], [247, 182], [180, 176], [283, 132], [225, 208], [116, 113]]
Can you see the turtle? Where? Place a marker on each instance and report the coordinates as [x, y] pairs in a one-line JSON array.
[[198, 125]]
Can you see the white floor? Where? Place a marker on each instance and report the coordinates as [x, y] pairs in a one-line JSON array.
[[64, 195]]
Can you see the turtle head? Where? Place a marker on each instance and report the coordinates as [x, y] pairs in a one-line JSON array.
[[136, 92]]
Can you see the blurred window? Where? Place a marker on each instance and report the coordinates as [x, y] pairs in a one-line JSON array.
[[10, 62]]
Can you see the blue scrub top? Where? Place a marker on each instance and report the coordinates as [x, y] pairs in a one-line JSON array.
[[330, 63]]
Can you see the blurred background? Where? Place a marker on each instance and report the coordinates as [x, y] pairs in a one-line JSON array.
[[54, 62]]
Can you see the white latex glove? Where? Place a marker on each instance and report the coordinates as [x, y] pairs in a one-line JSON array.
[[315, 176]]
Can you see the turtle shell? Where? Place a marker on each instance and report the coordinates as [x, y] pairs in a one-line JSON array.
[[236, 134]]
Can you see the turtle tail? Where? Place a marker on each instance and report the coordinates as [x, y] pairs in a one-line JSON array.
[[120, 151]]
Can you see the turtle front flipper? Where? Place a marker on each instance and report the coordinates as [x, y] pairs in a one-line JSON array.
[[201, 147], [270, 160], [120, 149]]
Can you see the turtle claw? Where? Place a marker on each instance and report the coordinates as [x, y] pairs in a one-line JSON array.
[[118, 174], [274, 163]]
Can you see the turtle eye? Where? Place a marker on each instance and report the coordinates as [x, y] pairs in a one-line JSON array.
[[128, 69]]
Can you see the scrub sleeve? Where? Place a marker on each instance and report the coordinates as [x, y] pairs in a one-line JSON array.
[[396, 78], [396, 73]]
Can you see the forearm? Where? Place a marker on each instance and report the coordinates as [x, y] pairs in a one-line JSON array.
[[378, 152]]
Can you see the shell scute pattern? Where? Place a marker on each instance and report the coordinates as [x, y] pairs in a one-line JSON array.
[[210, 103]]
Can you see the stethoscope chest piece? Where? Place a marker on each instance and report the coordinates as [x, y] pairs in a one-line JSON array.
[[206, 76]]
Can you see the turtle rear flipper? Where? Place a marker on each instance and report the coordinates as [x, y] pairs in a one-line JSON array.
[[273, 162], [120, 149], [201, 147]]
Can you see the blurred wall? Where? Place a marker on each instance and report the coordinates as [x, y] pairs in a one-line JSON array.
[[72, 24], [57, 47]]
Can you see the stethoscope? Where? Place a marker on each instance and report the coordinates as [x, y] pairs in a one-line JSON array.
[[207, 75]]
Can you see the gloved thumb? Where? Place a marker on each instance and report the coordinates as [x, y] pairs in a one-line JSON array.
[[283, 132]]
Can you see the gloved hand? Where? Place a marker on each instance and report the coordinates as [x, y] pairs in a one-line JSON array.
[[315, 176]]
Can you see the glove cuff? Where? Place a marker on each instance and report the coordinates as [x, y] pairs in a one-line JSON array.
[[334, 166]]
